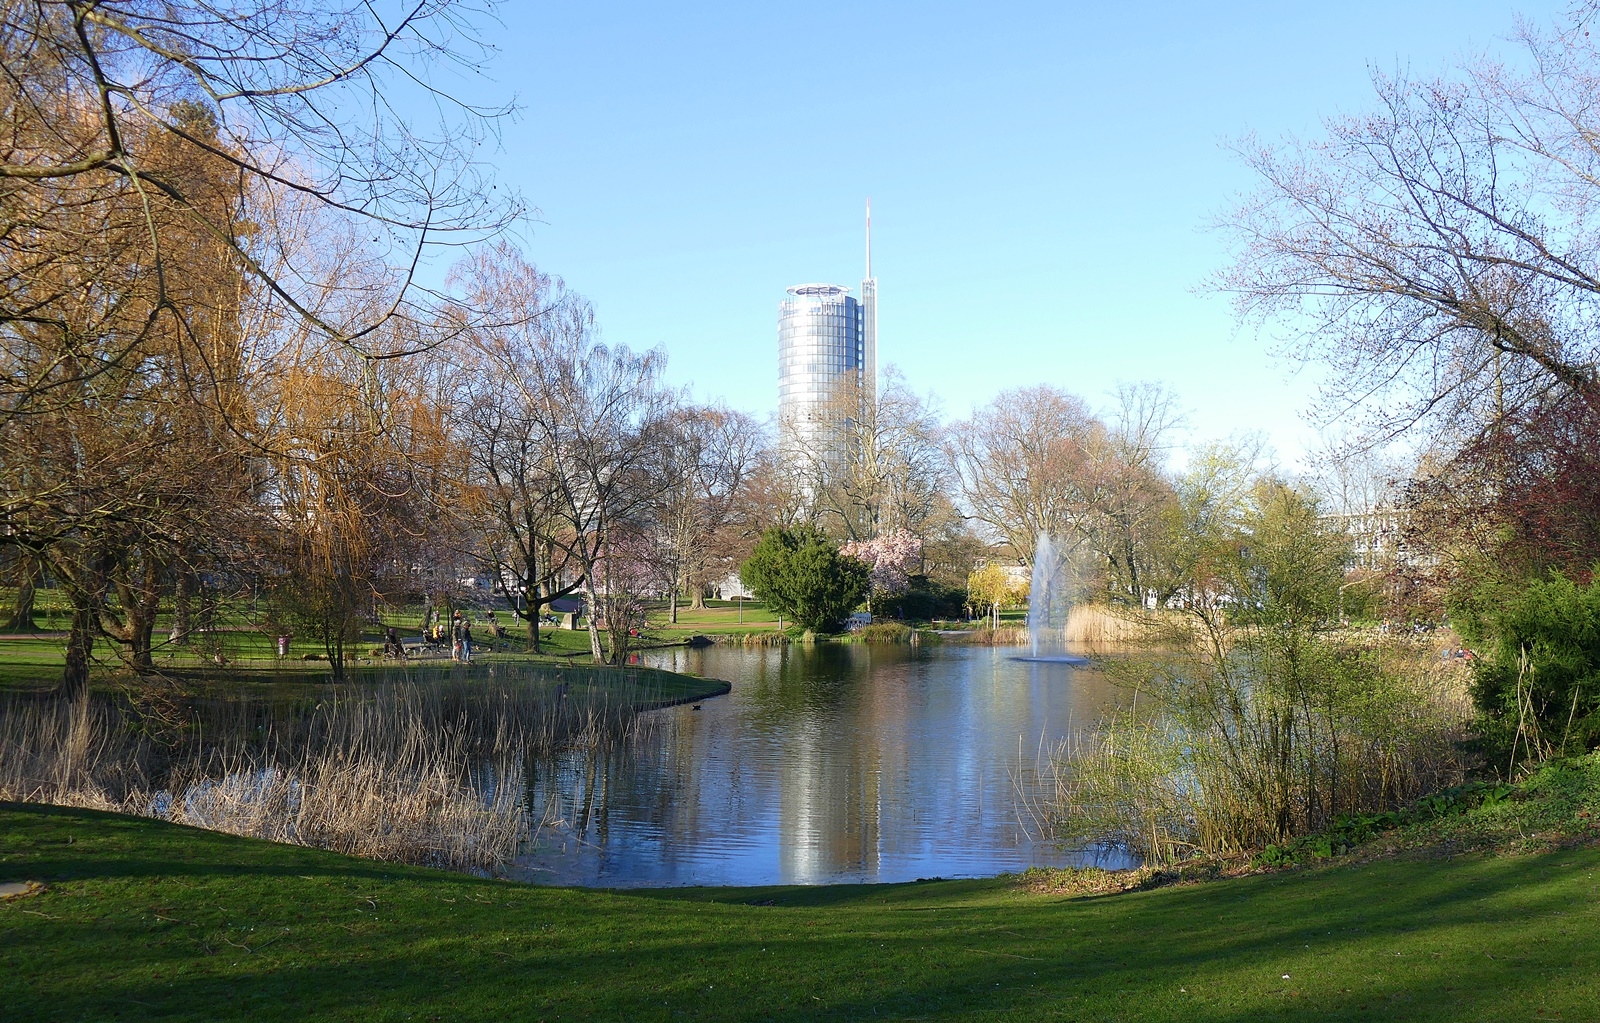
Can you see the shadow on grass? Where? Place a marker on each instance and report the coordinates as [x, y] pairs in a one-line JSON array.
[[1446, 940], [44, 842]]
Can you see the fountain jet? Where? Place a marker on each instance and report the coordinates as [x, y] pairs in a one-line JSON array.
[[1049, 602]]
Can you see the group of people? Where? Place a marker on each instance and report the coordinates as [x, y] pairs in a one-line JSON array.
[[458, 629]]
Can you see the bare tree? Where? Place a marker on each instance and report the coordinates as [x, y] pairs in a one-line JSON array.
[[702, 515], [513, 511], [1022, 462], [1130, 484], [880, 464], [1438, 253], [602, 415]]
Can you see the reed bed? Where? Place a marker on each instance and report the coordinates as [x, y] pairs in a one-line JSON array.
[[750, 639], [1006, 635], [418, 772], [1093, 626], [1217, 762]]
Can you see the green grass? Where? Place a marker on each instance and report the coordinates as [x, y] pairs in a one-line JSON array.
[[146, 920], [34, 663], [718, 616]]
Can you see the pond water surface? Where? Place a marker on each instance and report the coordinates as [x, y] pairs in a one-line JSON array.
[[826, 764]]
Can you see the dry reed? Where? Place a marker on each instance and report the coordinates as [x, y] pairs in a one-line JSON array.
[[404, 771], [1093, 626], [1006, 635], [750, 639]]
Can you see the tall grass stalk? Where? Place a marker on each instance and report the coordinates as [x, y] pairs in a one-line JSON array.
[[415, 772], [1235, 749], [764, 638]]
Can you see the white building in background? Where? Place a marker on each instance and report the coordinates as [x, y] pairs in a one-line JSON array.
[[827, 347]]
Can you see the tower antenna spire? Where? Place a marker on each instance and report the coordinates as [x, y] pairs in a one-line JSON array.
[[869, 238]]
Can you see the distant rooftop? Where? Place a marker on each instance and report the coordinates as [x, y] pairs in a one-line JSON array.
[[818, 289]]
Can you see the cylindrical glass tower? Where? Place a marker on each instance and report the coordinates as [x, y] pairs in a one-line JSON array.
[[821, 345]]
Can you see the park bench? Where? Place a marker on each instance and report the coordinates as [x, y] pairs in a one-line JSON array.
[[418, 649]]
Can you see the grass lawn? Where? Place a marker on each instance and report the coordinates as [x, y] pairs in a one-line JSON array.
[[34, 662], [146, 920], [718, 616]]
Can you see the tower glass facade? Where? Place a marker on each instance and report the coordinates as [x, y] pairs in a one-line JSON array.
[[822, 345]]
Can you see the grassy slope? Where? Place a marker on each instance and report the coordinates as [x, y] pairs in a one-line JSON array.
[[147, 920]]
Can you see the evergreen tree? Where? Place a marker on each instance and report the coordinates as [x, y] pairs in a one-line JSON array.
[[800, 574]]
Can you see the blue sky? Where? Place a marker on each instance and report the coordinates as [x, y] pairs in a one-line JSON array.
[[1041, 176]]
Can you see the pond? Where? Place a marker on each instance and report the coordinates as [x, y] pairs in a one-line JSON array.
[[827, 764]]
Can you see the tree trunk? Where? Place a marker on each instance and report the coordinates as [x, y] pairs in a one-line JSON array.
[[21, 619], [80, 645], [182, 599], [616, 633], [532, 604], [140, 599], [697, 588], [141, 627], [548, 592], [594, 616], [86, 592], [146, 640], [333, 643], [533, 626]]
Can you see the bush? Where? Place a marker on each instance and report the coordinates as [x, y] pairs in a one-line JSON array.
[[885, 632], [1239, 760], [1251, 728], [800, 574], [923, 602], [1537, 690]]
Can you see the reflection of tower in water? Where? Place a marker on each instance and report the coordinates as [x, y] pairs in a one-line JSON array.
[[828, 812], [831, 795]]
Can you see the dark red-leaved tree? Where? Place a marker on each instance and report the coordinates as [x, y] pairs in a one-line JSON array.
[[1521, 500]]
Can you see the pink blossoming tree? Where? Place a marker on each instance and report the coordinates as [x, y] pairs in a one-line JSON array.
[[890, 559]]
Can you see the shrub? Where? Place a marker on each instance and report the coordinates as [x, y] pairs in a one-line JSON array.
[[885, 632], [800, 574], [1252, 729], [924, 601], [1240, 760], [1537, 690]]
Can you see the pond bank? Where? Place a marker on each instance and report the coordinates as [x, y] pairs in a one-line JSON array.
[[141, 920]]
